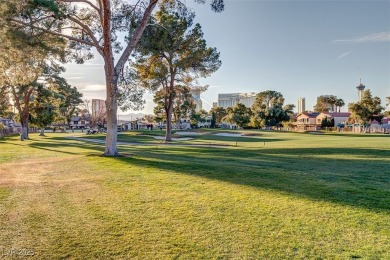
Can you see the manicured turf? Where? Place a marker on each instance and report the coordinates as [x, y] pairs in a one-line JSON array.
[[274, 196]]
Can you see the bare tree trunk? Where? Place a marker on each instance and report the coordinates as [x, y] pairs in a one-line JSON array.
[[168, 133], [111, 107], [24, 123], [112, 128], [111, 84], [22, 134], [23, 111], [112, 124], [169, 106]]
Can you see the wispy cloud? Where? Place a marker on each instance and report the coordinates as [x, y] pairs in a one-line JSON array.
[[375, 37], [92, 64], [74, 78], [344, 54], [214, 86], [74, 73], [92, 88]]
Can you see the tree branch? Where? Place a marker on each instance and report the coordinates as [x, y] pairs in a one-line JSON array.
[[41, 19], [101, 10], [86, 28], [83, 1], [58, 34], [137, 36], [16, 98]]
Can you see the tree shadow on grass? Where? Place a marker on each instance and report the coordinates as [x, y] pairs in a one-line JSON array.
[[300, 172], [357, 177], [65, 147], [241, 139]]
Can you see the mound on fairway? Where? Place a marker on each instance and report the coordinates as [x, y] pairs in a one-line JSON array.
[[229, 134]]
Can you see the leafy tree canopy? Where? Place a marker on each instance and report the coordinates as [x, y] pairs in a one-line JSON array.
[[366, 110], [325, 103], [171, 56], [219, 113], [239, 114], [110, 27], [269, 109]]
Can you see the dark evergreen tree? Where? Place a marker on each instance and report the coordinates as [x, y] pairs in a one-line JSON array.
[[96, 25], [269, 109], [366, 110], [213, 119], [171, 54], [239, 114]]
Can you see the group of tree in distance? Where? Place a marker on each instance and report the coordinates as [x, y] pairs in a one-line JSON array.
[[326, 103], [146, 45], [267, 111], [366, 110], [80, 26], [30, 76]]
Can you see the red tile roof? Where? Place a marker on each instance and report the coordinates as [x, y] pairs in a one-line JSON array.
[[310, 115], [337, 114]]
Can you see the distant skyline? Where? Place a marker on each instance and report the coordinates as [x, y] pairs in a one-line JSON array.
[[299, 48]]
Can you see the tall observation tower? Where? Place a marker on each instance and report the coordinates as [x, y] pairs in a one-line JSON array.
[[360, 89]]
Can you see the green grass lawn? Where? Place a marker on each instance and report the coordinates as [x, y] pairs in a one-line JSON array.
[[274, 196]]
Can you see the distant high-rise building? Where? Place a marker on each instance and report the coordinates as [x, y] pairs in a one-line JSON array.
[[195, 92], [360, 89], [247, 99], [226, 100], [98, 107], [301, 105]]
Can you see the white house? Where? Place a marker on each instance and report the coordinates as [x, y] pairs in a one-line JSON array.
[[206, 123], [339, 118], [228, 125], [383, 127], [79, 122], [184, 123], [5, 121], [137, 124]]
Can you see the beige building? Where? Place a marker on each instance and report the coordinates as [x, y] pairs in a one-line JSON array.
[[339, 118], [307, 121], [226, 100], [248, 99]]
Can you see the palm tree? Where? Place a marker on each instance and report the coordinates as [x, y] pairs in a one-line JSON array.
[[332, 102], [339, 103]]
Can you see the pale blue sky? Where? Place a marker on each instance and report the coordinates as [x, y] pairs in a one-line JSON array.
[[300, 48]]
